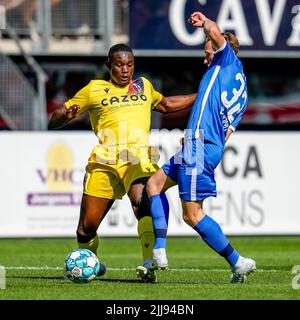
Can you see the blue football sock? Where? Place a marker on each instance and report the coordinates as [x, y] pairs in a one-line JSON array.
[[213, 235], [160, 215]]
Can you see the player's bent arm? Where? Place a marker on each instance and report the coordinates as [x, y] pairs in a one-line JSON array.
[[175, 103], [62, 116], [211, 29]]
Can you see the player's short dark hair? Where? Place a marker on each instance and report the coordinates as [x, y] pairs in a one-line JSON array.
[[232, 41], [117, 48]]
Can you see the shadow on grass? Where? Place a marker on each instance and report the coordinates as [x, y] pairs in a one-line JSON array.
[[111, 280], [120, 280], [116, 280], [63, 278], [36, 277]]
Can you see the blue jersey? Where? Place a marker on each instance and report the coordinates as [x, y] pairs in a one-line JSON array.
[[221, 100]]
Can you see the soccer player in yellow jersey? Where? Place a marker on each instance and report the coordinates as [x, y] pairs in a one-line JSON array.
[[122, 162]]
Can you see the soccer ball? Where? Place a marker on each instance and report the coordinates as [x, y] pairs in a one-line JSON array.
[[81, 266]]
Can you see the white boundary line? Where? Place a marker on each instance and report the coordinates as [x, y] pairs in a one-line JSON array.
[[133, 269]]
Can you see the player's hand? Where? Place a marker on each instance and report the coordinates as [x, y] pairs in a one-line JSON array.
[[72, 111], [197, 19]]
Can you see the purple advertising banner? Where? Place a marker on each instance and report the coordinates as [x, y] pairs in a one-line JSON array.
[[262, 26]]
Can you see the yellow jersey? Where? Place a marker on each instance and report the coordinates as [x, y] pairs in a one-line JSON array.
[[120, 117]]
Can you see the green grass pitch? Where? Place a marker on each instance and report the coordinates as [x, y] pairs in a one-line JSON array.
[[34, 271]]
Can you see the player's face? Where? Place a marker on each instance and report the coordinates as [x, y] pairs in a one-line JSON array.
[[122, 68], [209, 53]]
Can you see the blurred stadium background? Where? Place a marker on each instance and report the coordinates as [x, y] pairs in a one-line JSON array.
[[49, 49]]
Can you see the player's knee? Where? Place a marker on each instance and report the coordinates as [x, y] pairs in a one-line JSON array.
[[151, 187]]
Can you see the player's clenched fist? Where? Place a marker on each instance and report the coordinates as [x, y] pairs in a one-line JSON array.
[[197, 19]]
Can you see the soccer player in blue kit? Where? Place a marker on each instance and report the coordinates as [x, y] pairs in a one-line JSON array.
[[221, 101]]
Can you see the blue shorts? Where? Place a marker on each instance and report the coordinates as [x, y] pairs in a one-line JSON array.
[[193, 169]]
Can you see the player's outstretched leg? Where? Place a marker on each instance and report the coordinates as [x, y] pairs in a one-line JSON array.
[[212, 234]]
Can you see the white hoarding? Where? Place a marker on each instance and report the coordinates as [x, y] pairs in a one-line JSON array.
[[42, 173]]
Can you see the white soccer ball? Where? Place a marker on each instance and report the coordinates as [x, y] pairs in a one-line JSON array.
[[81, 266]]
